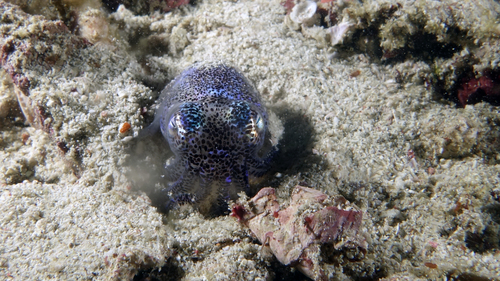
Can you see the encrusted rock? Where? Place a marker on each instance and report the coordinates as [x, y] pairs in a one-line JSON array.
[[313, 230]]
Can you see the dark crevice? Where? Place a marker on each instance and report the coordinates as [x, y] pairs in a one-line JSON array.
[[421, 47], [466, 277], [482, 242], [294, 149], [171, 271]]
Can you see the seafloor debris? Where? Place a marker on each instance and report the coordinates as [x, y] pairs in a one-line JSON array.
[[303, 12], [93, 25], [314, 230], [172, 4], [125, 127], [141, 7], [19, 49], [318, 19], [475, 89], [338, 31]]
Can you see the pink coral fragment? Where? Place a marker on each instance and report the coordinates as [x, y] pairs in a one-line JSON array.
[[238, 212], [329, 223], [296, 234], [486, 87], [288, 5], [172, 4]]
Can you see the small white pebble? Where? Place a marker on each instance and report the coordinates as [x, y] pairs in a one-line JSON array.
[[127, 138]]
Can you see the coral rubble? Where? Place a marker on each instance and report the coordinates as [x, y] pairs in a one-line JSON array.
[[300, 233]]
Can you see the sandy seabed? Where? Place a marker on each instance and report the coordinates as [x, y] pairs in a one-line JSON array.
[[372, 119]]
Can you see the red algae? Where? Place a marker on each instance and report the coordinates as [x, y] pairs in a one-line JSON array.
[[483, 88], [172, 4]]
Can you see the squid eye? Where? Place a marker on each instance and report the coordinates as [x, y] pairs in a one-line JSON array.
[[174, 125], [255, 128], [260, 123], [181, 122]]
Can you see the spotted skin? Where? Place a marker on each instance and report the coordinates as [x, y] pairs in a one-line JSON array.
[[215, 125]]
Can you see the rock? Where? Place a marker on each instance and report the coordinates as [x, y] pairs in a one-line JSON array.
[[313, 230]]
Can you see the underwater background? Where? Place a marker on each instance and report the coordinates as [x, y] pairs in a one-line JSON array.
[[391, 104]]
